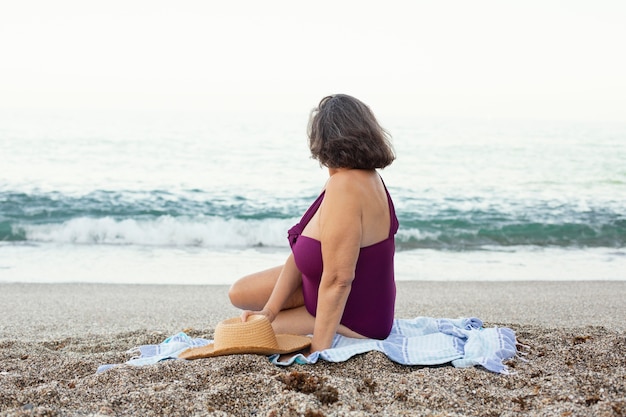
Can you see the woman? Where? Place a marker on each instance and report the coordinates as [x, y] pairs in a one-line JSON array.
[[339, 277]]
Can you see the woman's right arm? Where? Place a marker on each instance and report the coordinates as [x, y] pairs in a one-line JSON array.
[[288, 282]]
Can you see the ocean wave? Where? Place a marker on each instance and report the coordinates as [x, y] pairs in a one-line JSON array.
[[198, 218], [55, 207], [163, 231], [216, 232], [478, 236]]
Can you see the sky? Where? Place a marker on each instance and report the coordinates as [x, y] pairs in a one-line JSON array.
[[556, 60]]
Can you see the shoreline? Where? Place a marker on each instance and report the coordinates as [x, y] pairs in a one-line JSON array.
[[163, 265], [54, 336]]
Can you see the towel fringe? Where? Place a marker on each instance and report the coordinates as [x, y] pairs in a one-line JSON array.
[[136, 352]]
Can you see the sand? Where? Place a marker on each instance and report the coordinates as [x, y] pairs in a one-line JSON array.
[[54, 336]]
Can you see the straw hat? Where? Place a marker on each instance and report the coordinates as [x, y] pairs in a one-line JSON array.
[[255, 335]]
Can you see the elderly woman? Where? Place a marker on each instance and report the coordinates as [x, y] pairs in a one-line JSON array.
[[339, 277]]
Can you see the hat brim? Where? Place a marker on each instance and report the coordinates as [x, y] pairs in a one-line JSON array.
[[287, 343]]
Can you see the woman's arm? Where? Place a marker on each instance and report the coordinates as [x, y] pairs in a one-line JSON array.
[[288, 281], [340, 236]]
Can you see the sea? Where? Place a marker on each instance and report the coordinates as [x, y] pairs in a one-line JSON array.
[[203, 198]]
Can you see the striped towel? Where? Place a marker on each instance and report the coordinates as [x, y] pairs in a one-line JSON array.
[[462, 342], [170, 348], [427, 341]]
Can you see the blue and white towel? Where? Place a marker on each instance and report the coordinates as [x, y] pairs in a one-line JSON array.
[[462, 342], [170, 348]]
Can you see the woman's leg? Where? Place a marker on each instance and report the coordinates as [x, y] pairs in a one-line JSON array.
[[252, 291], [299, 321]]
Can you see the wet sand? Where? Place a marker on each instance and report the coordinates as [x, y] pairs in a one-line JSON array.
[[54, 336]]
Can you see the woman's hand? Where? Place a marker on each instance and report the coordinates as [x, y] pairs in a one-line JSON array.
[[265, 312]]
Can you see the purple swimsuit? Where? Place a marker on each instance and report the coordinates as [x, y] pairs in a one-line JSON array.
[[370, 307]]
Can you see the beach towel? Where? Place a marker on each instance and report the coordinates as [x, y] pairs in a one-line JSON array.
[[463, 342]]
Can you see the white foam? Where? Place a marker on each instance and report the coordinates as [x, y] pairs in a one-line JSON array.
[[212, 232]]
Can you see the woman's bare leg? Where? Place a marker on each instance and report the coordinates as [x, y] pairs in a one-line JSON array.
[[252, 291], [299, 321]]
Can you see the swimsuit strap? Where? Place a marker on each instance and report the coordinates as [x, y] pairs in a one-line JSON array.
[[308, 215], [394, 224], [297, 229]]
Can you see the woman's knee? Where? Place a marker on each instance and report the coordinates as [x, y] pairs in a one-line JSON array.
[[237, 294], [252, 291]]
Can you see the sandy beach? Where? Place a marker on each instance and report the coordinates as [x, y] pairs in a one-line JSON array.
[[53, 337]]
